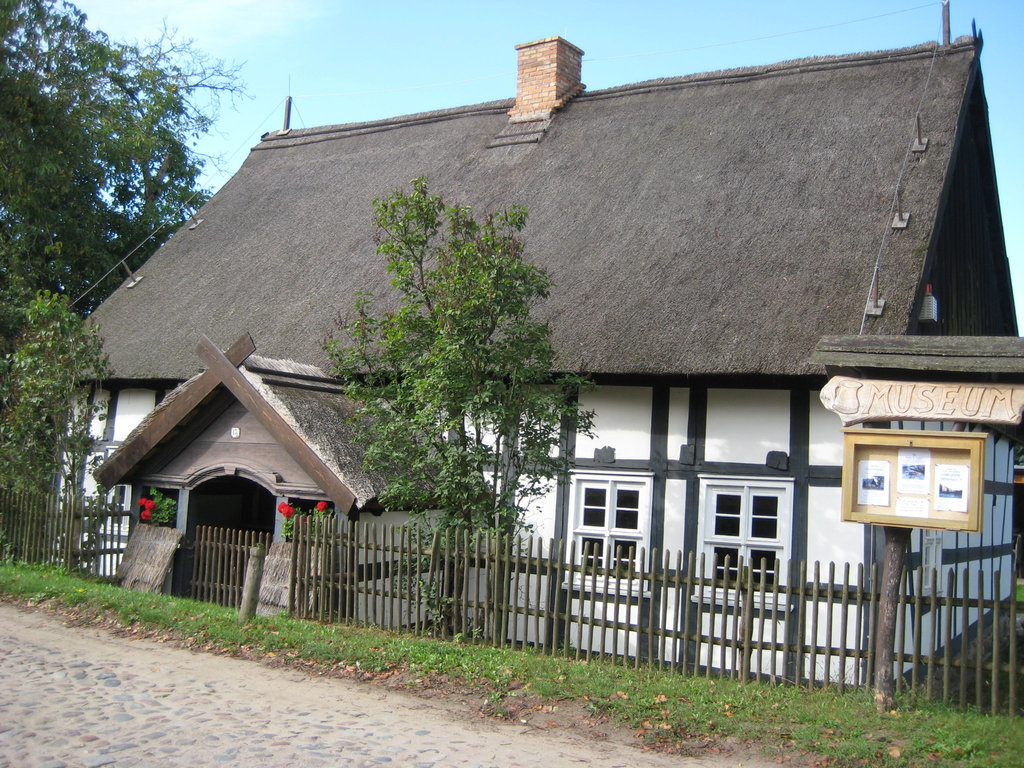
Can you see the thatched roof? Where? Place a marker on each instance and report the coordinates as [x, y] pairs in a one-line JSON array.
[[321, 415], [712, 224]]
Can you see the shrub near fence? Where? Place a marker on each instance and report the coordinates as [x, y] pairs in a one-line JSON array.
[[689, 615], [84, 535]]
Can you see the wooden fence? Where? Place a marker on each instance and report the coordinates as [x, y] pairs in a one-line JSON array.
[[218, 567], [79, 535], [814, 626], [685, 614]]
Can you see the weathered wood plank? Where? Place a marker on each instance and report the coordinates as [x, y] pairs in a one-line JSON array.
[[274, 423], [166, 419], [983, 355]]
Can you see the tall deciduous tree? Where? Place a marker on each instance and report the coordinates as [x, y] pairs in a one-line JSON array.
[[459, 405], [97, 157], [45, 409]]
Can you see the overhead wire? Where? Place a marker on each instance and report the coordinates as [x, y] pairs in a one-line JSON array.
[[167, 222]]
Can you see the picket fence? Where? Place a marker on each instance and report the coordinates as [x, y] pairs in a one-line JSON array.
[[813, 626], [681, 613], [220, 559], [80, 535]]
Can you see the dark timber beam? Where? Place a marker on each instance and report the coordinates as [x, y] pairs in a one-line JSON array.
[[166, 419], [226, 372]]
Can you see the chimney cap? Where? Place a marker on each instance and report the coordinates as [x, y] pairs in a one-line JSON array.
[[552, 39]]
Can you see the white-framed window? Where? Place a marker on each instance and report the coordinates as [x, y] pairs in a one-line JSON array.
[[611, 517], [748, 518]]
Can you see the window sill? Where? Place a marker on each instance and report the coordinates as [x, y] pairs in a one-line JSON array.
[[729, 597], [623, 586]]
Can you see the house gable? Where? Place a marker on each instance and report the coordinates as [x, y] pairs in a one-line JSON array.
[[197, 432], [967, 266]]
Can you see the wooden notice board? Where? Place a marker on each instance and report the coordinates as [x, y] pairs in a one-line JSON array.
[[914, 479]]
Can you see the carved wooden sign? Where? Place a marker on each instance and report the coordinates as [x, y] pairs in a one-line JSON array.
[[859, 400]]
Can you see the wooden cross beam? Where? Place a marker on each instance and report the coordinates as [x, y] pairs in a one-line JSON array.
[[228, 373], [113, 470]]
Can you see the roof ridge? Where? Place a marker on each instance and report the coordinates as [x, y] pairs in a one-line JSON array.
[[778, 69], [301, 136], [305, 136]]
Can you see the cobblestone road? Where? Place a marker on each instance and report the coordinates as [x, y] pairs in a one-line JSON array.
[[75, 697]]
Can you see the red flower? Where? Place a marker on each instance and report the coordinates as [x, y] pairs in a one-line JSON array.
[[146, 515], [286, 509], [321, 506], [147, 505]]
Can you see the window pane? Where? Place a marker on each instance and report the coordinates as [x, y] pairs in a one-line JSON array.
[[593, 517], [721, 553], [766, 506], [764, 523], [768, 556], [594, 507], [727, 504], [727, 526], [592, 549], [764, 528], [627, 509], [727, 514], [625, 551], [627, 499], [627, 518]]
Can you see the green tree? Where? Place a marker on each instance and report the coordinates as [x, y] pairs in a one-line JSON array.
[[45, 437], [97, 158], [458, 403]]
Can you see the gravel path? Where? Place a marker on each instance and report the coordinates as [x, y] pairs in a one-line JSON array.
[[79, 697]]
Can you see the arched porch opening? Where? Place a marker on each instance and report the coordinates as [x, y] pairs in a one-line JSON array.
[[227, 501], [231, 502]]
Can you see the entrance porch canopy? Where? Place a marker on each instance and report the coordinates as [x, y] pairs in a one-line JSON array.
[[304, 412]]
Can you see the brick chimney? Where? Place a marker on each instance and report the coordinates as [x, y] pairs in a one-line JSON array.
[[549, 75]]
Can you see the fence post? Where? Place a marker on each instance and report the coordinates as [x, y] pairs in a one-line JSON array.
[[253, 578]]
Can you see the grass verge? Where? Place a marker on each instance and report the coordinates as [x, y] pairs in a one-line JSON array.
[[664, 710]]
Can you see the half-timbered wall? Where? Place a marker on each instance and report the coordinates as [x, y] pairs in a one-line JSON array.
[[662, 455], [658, 456]]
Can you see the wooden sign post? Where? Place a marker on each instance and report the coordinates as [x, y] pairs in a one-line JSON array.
[[902, 480]]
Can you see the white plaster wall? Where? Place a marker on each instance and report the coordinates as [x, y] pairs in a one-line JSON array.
[[829, 539], [675, 516], [622, 420], [101, 398], [132, 407], [540, 515], [826, 437], [678, 420], [744, 424]]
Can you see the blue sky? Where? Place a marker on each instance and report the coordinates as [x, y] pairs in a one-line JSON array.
[[344, 61]]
